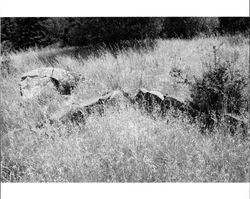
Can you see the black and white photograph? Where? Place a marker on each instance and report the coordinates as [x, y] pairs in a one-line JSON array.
[[124, 99]]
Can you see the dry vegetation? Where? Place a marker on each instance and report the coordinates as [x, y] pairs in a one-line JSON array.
[[125, 145]]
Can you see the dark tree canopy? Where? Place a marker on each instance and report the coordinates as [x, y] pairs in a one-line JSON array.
[[234, 25], [20, 33], [23, 32]]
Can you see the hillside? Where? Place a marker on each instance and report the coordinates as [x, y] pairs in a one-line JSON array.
[[126, 145]]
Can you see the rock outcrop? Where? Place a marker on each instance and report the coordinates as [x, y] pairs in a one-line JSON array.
[[78, 111], [152, 101], [33, 82], [175, 103], [149, 100], [74, 110]]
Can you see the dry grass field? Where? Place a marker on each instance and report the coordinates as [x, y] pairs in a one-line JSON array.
[[125, 145]]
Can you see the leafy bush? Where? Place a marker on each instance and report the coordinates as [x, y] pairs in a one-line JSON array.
[[219, 91]]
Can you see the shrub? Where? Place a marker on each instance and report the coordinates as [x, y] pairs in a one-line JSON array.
[[219, 91]]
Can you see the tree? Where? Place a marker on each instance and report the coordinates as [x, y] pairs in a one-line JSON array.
[[233, 25], [113, 30], [23, 32], [188, 27]]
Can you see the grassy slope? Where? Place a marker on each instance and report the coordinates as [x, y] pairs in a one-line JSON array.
[[125, 146]]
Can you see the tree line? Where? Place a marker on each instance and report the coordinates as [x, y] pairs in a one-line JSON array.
[[21, 33]]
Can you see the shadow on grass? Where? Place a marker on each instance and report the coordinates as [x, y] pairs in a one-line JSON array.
[[96, 50]]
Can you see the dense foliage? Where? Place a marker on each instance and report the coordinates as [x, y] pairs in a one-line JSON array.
[[23, 32], [188, 27], [234, 25], [218, 92], [20, 33]]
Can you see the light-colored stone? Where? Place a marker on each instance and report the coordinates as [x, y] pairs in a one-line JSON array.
[[158, 94], [33, 82]]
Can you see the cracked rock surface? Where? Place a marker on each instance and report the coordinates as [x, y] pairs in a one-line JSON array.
[[33, 82]]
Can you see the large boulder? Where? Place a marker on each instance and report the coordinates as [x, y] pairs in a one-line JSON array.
[[33, 82], [77, 111], [175, 103], [154, 101], [149, 100], [116, 98]]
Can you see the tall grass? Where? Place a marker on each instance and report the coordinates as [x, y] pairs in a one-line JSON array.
[[124, 145]]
